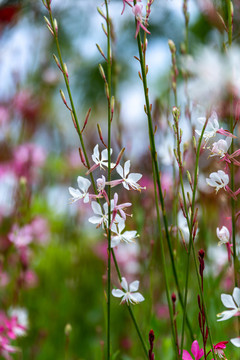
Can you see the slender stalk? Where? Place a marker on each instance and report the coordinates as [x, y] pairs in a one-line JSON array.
[[190, 223], [109, 95], [86, 157], [130, 309], [154, 158], [233, 205], [174, 334]]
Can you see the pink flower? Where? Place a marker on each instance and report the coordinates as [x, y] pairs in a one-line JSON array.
[[137, 11], [127, 2], [196, 351], [21, 237], [27, 158], [218, 349], [40, 229]]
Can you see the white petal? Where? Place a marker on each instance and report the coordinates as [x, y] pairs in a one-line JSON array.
[[228, 141], [125, 184], [115, 241], [96, 208], [127, 168], [95, 155], [236, 341], [86, 198], [124, 284], [225, 315], [118, 293], [134, 286], [213, 121], [119, 170], [136, 298], [121, 225], [95, 220], [83, 183], [211, 182], [236, 296], [134, 177], [104, 155], [75, 193], [227, 301], [201, 120], [129, 236]]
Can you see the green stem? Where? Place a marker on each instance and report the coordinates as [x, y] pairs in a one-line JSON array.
[[190, 226], [154, 158], [109, 94], [130, 310], [174, 334]]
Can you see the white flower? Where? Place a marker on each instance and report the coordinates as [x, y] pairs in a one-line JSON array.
[[223, 235], [236, 341], [230, 302], [77, 194], [211, 128], [101, 217], [129, 180], [129, 296], [127, 236], [101, 183], [218, 180], [220, 148], [103, 159]]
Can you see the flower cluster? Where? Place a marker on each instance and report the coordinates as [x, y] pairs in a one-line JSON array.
[[137, 11], [11, 327], [118, 214]]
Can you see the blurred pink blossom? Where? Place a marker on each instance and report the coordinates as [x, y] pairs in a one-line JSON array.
[[40, 229], [21, 236], [27, 157]]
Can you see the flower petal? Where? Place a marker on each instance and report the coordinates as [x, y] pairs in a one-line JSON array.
[[136, 298], [186, 355], [236, 341], [236, 296], [83, 183], [95, 155], [225, 315], [76, 194], [134, 286], [117, 293], [124, 284], [195, 349], [96, 208], [227, 301], [119, 170], [127, 168]]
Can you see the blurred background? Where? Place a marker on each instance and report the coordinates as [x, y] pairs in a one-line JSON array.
[[59, 278]]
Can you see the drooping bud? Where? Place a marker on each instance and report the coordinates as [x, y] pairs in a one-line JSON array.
[[101, 52], [101, 13], [100, 135], [104, 29], [174, 298], [201, 255], [112, 104], [55, 24], [176, 112], [68, 329], [172, 46], [65, 69], [86, 119], [57, 62], [102, 72]]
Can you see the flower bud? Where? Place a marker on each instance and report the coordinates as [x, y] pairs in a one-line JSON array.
[[68, 329]]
